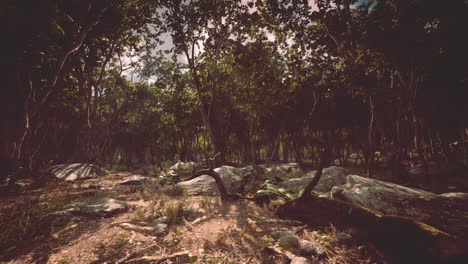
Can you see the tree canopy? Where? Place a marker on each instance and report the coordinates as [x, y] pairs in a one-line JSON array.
[[252, 80]]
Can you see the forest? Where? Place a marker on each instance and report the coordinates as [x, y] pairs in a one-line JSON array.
[[337, 126]]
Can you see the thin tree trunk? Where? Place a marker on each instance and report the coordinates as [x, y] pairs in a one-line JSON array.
[[324, 160], [370, 158]]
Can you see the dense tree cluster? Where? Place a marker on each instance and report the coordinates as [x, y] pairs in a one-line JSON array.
[[261, 79]]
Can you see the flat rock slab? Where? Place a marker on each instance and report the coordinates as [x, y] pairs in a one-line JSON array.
[[77, 171], [102, 207], [331, 176], [445, 212], [136, 180]]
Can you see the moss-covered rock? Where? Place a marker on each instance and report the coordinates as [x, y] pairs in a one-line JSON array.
[[409, 240]]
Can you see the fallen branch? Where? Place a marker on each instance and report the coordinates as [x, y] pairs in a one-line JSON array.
[[135, 254], [155, 259]]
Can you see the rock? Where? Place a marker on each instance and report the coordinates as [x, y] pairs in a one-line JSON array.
[[183, 167], [77, 171], [400, 237], [299, 260], [457, 196], [149, 216], [163, 220], [286, 239], [331, 176], [161, 230], [89, 192], [283, 170], [433, 168], [165, 164], [102, 207], [445, 213], [248, 175], [94, 186], [442, 176], [190, 213], [341, 239], [233, 178], [136, 180], [362, 250], [309, 248]]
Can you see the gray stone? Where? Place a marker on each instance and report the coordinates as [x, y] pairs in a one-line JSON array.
[[163, 220], [458, 196], [312, 248], [89, 192], [286, 239], [190, 213], [77, 171], [299, 260], [136, 180], [341, 239], [331, 176], [283, 170], [161, 230], [234, 180], [102, 207], [441, 211], [183, 167], [149, 216]]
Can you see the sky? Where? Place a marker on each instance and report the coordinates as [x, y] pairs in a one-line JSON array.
[[181, 58]]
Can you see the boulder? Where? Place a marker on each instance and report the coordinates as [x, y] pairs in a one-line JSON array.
[[445, 213], [102, 207], [234, 180], [183, 167], [331, 176], [77, 171], [283, 170]]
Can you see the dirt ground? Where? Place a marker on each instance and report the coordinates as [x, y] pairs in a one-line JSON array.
[[234, 232]]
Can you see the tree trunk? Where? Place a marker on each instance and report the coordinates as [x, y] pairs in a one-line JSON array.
[[324, 160], [370, 157]]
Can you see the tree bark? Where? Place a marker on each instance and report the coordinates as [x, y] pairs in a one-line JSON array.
[[370, 157], [324, 160]]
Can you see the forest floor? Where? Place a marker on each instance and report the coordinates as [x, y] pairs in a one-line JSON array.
[[235, 232]]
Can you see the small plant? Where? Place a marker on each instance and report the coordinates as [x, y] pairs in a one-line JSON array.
[[175, 212], [150, 192], [174, 191], [210, 202], [267, 241], [63, 260], [122, 239]]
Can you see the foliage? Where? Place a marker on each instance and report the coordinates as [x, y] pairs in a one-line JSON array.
[[252, 80]]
